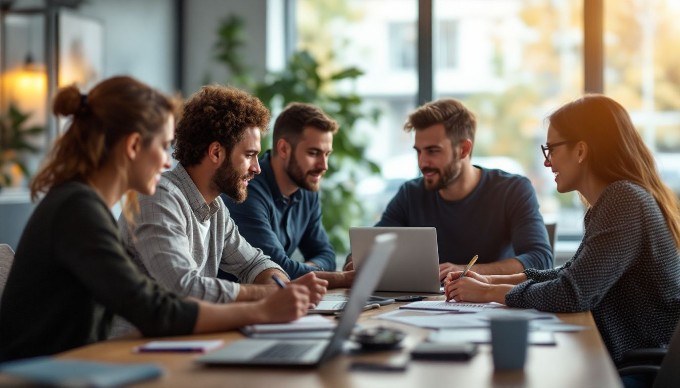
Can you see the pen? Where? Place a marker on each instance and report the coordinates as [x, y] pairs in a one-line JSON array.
[[467, 268], [371, 306], [279, 282]]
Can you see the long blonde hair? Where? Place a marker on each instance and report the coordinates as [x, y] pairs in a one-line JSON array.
[[115, 108], [616, 150]]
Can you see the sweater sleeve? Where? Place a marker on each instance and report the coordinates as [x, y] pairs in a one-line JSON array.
[[609, 249], [315, 245], [162, 244], [92, 250], [529, 235], [255, 225]]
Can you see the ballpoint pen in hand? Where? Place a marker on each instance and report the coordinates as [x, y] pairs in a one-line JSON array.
[[279, 282], [467, 268]]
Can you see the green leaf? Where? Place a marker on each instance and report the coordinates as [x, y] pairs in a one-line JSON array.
[[351, 72], [305, 79]]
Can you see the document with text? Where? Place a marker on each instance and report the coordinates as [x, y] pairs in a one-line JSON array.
[[306, 323], [440, 305]]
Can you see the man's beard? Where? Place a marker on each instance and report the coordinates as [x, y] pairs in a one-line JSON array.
[[296, 174], [447, 176], [229, 182]]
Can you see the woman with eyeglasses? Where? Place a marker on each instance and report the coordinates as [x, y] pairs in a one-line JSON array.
[[627, 269], [71, 273]]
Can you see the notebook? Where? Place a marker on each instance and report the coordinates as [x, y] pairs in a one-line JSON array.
[[201, 346], [414, 266], [309, 353], [79, 373], [305, 324]]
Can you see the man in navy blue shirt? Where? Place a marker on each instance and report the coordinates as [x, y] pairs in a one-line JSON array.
[[476, 211], [282, 212]]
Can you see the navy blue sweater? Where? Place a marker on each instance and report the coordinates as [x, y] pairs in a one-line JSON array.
[[499, 219], [280, 225]]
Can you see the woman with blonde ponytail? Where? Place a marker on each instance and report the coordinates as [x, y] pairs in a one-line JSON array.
[[71, 274], [627, 268]]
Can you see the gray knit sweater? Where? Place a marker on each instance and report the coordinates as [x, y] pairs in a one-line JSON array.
[[626, 271]]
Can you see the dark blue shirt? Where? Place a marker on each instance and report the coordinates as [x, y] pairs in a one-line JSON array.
[[499, 219], [278, 225]]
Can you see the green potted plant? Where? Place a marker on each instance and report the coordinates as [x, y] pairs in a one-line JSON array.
[[15, 137]]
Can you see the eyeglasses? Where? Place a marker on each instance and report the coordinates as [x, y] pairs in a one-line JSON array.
[[548, 148]]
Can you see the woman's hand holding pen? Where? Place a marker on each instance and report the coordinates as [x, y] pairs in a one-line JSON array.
[[475, 288], [446, 268], [470, 288], [455, 275]]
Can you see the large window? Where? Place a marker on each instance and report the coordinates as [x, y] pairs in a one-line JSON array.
[[512, 62], [642, 71], [518, 60], [380, 38], [448, 50], [402, 36]]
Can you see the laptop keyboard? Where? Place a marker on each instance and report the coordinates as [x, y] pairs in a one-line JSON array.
[[283, 351], [337, 306]]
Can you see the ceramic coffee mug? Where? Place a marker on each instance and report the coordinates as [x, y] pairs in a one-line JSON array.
[[509, 342]]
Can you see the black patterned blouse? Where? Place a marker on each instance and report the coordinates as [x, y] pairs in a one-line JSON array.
[[626, 271]]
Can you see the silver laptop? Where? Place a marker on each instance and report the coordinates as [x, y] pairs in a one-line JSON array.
[[414, 266], [263, 352], [335, 303]]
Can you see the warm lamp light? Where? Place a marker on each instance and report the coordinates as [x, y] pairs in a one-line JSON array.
[[26, 88]]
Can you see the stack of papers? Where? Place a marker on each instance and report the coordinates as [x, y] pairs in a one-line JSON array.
[[483, 336], [179, 346], [440, 305], [435, 319], [452, 315], [309, 326]]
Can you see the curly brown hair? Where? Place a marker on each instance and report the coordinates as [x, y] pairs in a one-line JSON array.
[[216, 113]]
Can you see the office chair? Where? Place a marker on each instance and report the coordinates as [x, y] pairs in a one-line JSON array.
[[6, 260], [660, 363], [551, 228]]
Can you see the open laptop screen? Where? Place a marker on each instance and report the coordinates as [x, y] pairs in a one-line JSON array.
[[414, 266]]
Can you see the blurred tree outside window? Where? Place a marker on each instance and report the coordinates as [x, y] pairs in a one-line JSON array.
[[379, 37], [512, 62], [318, 81], [642, 72]]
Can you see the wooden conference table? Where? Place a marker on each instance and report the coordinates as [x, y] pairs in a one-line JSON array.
[[580, 359]]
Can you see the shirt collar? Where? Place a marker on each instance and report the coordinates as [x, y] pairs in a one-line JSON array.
[[199, 206], [267, 173]]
